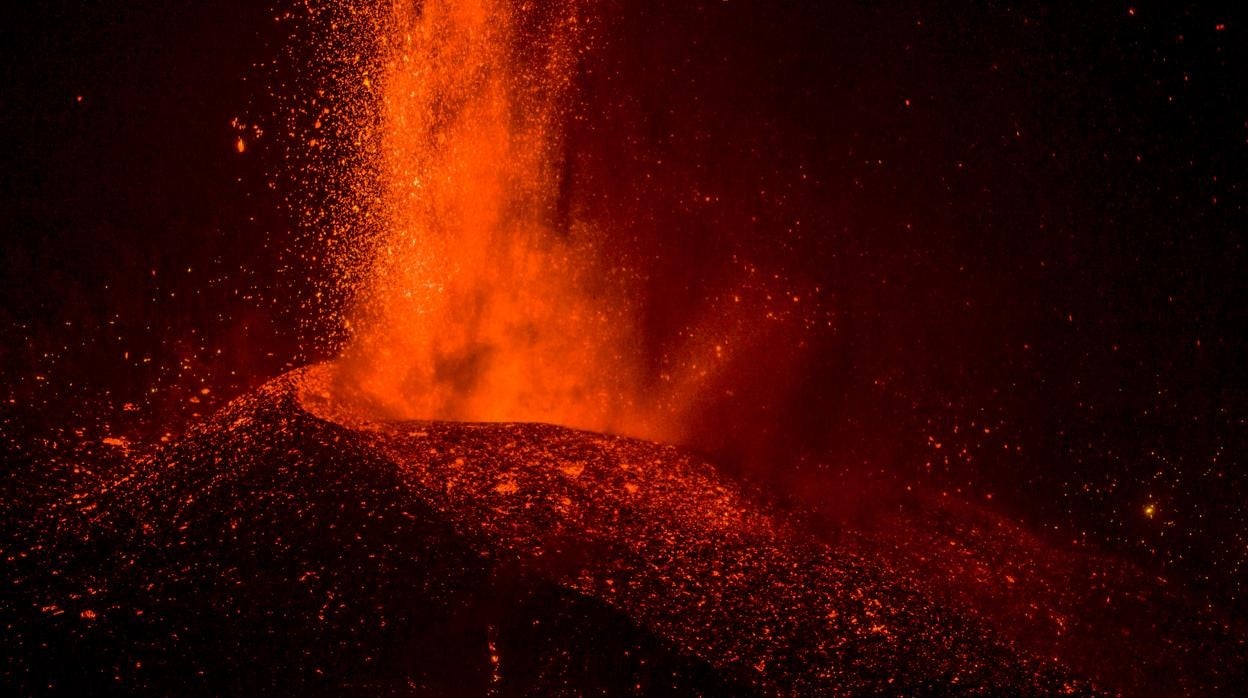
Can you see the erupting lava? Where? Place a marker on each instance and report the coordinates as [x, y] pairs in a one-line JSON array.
[[481, 296], [396, 521]]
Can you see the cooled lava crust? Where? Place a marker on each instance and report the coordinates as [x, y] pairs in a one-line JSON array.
[[272, 550]]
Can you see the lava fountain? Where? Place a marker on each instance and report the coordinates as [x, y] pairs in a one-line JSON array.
[[479, 295]]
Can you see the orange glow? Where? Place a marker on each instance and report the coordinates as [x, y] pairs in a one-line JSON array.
[[479, 301], [433, 168]]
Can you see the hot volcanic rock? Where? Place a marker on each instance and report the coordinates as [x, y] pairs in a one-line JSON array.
[[272, 550]]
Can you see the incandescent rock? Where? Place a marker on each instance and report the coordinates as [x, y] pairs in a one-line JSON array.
[[272, 550]]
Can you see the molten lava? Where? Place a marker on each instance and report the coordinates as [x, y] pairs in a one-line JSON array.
[[481, 296]]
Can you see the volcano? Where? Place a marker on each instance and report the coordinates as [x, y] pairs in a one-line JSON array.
[[279, 547]]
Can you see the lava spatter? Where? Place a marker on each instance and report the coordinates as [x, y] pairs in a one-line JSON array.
[[271, 548], [282, 544]]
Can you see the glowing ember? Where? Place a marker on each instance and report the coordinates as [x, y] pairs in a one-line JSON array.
[[272, 547]]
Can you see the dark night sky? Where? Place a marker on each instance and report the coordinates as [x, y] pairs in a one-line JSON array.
[[1025, 222]]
